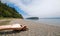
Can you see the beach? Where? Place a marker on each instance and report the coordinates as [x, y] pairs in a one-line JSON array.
[[34, 29]]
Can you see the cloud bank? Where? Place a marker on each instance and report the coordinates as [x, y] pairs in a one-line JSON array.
[[39, 8]]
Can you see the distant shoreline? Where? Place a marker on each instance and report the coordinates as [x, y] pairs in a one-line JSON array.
[[49, 18]]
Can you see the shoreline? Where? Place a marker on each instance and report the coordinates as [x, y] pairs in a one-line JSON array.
[[52, 23], [36, 29]]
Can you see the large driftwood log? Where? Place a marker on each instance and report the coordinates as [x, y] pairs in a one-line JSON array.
[[13, 27]]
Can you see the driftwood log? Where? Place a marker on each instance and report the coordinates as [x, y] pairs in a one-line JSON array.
[[13, 27]]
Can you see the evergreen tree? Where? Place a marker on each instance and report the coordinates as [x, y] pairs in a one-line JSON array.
[[7, 12]]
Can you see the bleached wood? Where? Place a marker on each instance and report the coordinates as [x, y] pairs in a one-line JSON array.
[[12, 27]]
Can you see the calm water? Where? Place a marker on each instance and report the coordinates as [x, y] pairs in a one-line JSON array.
[[55, 22]]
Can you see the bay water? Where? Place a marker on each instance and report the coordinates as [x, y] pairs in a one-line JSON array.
[[55, 22]]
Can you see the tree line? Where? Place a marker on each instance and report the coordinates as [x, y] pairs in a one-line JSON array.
[[8, 12]]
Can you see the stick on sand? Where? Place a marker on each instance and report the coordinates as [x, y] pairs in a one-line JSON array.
[[13, 27]]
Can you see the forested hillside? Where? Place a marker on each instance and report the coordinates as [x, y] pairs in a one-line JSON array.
[[8, 12]]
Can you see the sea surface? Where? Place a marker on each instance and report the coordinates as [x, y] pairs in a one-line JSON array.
[[55, 22]]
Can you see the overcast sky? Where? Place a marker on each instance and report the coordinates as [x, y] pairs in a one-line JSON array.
[[39, 8]]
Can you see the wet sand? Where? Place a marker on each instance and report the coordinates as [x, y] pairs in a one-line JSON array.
[[35, 29]]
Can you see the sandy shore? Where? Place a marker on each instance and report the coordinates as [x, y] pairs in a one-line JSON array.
[[36, 29]]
